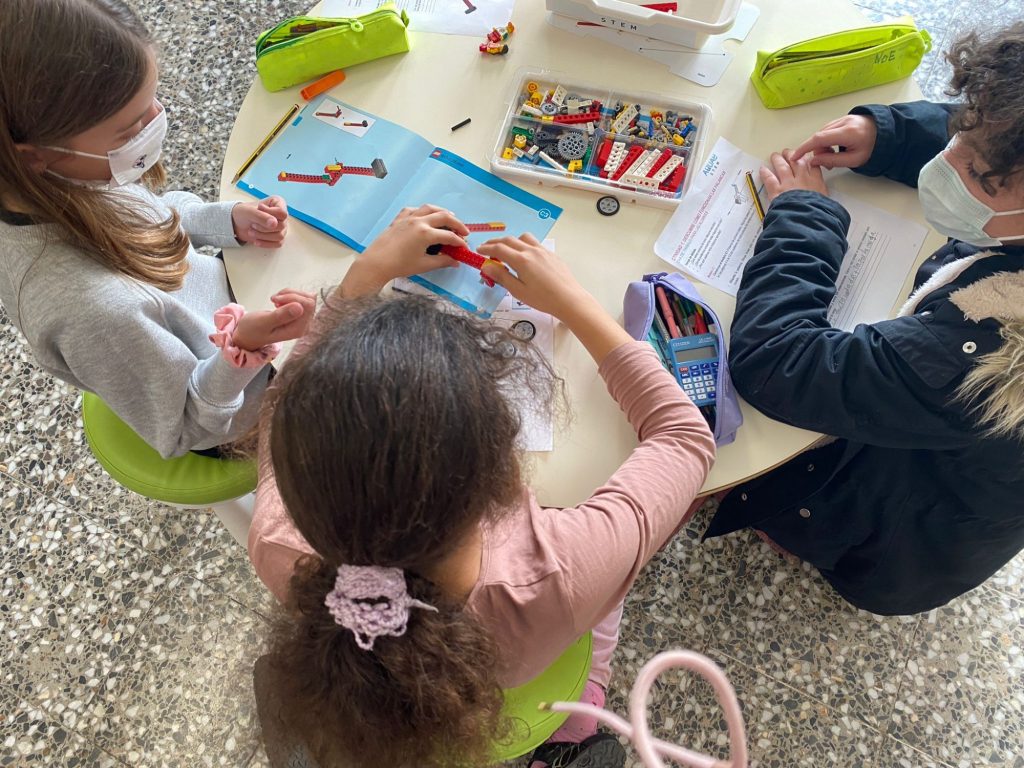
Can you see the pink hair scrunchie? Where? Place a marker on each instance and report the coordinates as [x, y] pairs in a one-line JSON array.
[[371, 601], [226, 320]]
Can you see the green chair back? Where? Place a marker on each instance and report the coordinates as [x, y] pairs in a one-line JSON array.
[[564, 680]]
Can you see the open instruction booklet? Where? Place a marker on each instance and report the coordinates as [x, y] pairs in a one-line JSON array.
[[349, 173]]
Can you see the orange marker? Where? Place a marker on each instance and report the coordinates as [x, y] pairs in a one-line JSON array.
[[325, 83]]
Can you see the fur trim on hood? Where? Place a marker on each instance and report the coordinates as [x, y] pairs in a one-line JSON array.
[[995, 384]]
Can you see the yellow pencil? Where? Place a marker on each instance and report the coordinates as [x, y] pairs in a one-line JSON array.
[[265, 143], [753, 196]]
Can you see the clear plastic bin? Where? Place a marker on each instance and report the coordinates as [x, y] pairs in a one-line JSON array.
[[690, 24], [637, 146]]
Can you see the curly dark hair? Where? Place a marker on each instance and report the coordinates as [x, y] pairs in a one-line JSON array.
[[391, 441], [988, 72]]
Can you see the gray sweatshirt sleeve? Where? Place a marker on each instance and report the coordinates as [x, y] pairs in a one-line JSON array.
[[151, 379], [205, 223]]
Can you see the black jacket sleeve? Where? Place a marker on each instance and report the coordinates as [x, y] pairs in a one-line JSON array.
[[909, 135], [788, 361]]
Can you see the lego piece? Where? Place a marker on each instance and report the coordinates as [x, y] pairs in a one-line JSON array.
[[519, 141], [631, 155], [488, 226], [558, 97], [531, 110], [459, 125], [537, 97], [608, 205], [549, 108], [603, 152], [325, 83], [551, 161], [572, 146], [662, 159], [470, 258], [675, 181], [616, 155], [667, 169], [494, 49], [624, 118], [531, 87], [678, 139], [575, 165], [507, 154], [584, 117], [518, 152]]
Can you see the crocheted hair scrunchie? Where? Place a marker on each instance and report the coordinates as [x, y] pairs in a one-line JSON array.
[[226, 320], [371, 601]]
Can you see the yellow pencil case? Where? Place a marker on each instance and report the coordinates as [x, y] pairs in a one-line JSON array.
[[839, 63], [304, 47]]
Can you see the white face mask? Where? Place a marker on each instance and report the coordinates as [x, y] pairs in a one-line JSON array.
[[130, 161], [950, 207]]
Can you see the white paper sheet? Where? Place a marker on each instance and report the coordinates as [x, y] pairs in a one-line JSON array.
[[711, 237], [451, 17]]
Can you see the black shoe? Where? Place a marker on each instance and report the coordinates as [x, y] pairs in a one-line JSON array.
[[602, 750]]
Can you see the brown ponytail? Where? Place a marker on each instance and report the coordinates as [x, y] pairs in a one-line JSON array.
[[68, 65], [391, 442]]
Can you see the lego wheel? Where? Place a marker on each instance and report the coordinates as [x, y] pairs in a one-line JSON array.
[[524, 329], [608, 205]]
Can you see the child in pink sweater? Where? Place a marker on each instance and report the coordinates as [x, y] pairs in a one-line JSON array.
[[421, 575]]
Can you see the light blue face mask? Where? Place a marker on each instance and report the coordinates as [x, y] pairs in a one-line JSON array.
[[129, 162], [950, 207]]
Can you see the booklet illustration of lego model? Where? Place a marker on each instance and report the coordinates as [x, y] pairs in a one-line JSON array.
[[349, 173]]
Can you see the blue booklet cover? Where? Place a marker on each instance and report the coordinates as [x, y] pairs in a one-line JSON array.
[[349, 173]]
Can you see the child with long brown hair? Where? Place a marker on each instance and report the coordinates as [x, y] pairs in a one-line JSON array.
[[99, 273], [419, 573]]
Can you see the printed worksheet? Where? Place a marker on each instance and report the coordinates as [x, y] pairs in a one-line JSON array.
[[712, 234], [450, 17]]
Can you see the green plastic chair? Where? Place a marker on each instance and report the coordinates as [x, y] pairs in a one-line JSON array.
[[564, 680], [189, 481]]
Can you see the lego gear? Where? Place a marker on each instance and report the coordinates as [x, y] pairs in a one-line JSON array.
[[572, 146]]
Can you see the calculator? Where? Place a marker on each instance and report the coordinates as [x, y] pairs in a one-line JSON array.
[[695, 364]]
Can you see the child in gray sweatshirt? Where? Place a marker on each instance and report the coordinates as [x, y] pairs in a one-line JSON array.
[[99, 273]]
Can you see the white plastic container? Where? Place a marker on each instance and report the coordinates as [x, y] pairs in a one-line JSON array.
[[690, 25], [653, 168]]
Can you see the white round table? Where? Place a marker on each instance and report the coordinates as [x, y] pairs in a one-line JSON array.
[[444, 79]]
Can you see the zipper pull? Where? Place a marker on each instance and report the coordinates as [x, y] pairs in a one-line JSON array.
[[654, 277]]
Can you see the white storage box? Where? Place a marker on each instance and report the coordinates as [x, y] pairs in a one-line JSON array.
[[690, 25], [636, 146]]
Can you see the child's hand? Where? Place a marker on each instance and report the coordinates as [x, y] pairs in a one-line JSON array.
[[290, 319], [401, 249], [855, 137], [787, 173], [542, 280], [263, 224]]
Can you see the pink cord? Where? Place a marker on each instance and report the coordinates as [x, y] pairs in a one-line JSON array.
[[651, 750]]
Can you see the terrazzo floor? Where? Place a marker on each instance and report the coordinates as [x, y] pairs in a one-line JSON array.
[[129, 628]]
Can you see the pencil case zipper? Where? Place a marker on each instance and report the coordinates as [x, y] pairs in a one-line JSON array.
[[788, 58], [334, 26]]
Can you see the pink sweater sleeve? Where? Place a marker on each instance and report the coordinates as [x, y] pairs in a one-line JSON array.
[[604, 542]]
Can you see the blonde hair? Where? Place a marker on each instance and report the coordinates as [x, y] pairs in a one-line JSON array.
[[67, 66]]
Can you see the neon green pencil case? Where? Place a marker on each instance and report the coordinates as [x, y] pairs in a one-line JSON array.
[[304, 47], [839, 63]]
